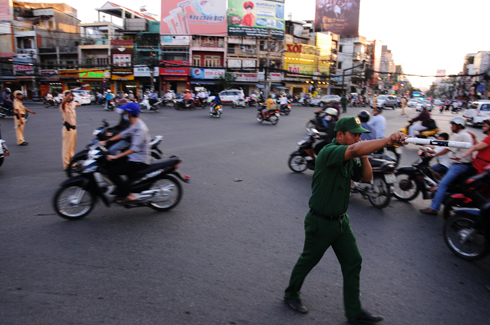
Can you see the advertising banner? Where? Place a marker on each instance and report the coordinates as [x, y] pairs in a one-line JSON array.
[[6, 10], [306, 69], [93, 73], [144, 71], [175, 68], [23, 70], [193, 17], [198, 73], [255, 18], [122, 63], [274, 76], [337, 16], [248, 77]]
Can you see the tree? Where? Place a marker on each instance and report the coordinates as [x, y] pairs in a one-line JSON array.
[[225, 80]]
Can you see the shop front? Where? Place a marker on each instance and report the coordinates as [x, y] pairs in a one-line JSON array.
[[68, 79], [49, 81], [142, 77], [97, 80], [207, 78], [122, 73], [175, 76]]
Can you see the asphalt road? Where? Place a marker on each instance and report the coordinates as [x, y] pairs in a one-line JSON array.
[[225, 253]]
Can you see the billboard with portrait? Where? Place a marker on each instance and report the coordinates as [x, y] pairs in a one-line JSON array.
[[255, 18], [193, 17], [337, 16]]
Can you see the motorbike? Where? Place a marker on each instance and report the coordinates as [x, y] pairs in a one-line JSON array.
[[50, 102], [217, 111], [6, 112], [169, 102], [472, 193], [240, 103], [271, 115], [111, 104], [4, 151], [429, 133], [145, 104], [467, 233], [315, 123], [378, 192], [156, 186], [456, 109], [75, 166], [200, 102], [304, 102], [252, 102], [285, 108], [185, 104]]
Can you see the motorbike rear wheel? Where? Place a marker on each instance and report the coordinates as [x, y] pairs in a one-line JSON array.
[[73, 202], [384, 198], [405, 188], [287, 111], [297, 163], [169, 193], [1, 161], [273, 119], [452, 203], [463, 239], [233, 105]]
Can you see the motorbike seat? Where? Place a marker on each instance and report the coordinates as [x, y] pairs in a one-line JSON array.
[[161, 164], [377, 163]]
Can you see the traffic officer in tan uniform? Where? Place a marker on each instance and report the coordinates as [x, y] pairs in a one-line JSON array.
[[20, 117], [327, 224], [69, 130], [403, 104]]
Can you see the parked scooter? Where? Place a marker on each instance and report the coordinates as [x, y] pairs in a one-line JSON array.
[[145, 104], [4, 151], [156, 186], [271, 115], [378, 192], [76, 164]]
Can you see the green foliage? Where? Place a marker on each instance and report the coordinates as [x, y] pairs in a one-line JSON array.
[[226, 80]]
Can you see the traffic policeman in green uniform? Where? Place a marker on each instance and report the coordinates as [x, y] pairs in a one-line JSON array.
[[327, 224]]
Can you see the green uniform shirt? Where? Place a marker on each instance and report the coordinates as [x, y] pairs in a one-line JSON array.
[[332, 180]]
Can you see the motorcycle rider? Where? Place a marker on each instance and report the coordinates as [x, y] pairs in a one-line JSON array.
[[153, 98], [121, 126], [215, 102], [201, 97], [7, 98], [130, 96], [444, 162], [364, 116], [49, 98], [423, 117], [462, 167], [330, 119], [283, 101], [109, 96], [482, 159], [187, 97], [378, 122], [268, 105], [253, 98], [136, 158]]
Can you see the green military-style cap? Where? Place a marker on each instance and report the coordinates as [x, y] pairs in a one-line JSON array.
[[351, 124]]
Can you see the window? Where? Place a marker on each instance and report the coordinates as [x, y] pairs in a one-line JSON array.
[[196, 61], [485, 107], [50, 65], [341, 48], [212, 61], [340, 65], [263, 45], [231, 49], [102, 61]]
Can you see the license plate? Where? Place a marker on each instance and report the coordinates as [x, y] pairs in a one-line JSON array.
[[277, 114], [390, 178], [398, 150]]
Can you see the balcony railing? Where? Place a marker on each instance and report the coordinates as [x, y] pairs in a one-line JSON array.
[[208, 43]]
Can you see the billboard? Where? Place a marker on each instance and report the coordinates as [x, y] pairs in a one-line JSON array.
[[6, 10], [337, 16], [174, 68], [122, 63], [193, 17], [256, 18], [198, 73]]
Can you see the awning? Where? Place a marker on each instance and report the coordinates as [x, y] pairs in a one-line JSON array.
[[281, 87], [260, 86], [195, 82]]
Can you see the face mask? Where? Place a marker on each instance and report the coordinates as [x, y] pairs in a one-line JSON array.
[[119, 111], [125, 117], [328, 118]]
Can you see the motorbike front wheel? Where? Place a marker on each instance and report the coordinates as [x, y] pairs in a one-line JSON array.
[[310, 125], [1, 161], [260, 119], [169, 193], [454, 203], [73, 202], [405, 187], [233, 105], [384, 198], [297, 163], [464, 239]]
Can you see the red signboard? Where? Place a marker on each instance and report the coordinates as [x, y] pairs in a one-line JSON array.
[[174, 68], [121, 42]]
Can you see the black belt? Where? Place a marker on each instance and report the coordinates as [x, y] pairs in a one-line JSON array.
[[21, 115], [323, 216]]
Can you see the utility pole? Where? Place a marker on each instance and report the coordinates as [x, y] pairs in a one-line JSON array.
[[152, 65], [267, 87], [344, 70]]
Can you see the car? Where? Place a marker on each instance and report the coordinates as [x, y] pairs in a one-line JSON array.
[[230, 95], [418, 107], [329, 98], [82, 97], [316, 102], [477, 112], [387, 101], [412, 102], [437, 102]]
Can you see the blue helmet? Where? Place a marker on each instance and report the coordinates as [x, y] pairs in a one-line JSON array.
[[132, 108]]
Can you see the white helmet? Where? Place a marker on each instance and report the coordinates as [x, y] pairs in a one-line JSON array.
[[459, 121], [331, 111], [109, 91]]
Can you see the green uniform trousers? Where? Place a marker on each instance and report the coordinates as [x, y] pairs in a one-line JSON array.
[[344, 108], [320, 235]]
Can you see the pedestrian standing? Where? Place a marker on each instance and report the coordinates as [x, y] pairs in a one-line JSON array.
[[403, 104], [375, 101], [20, 117], [343, 101], [69, 130], [326, 224]]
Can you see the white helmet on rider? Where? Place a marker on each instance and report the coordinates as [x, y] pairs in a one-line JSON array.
[[108, 91], [461, 121], [8, 90], [331, 111]]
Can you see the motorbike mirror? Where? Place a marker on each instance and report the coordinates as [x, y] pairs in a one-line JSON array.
[[104, 123]]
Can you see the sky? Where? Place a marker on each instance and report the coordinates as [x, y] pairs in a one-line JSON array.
[[423, 35]]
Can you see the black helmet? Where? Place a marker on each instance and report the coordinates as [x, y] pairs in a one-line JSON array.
[[364, 116]]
